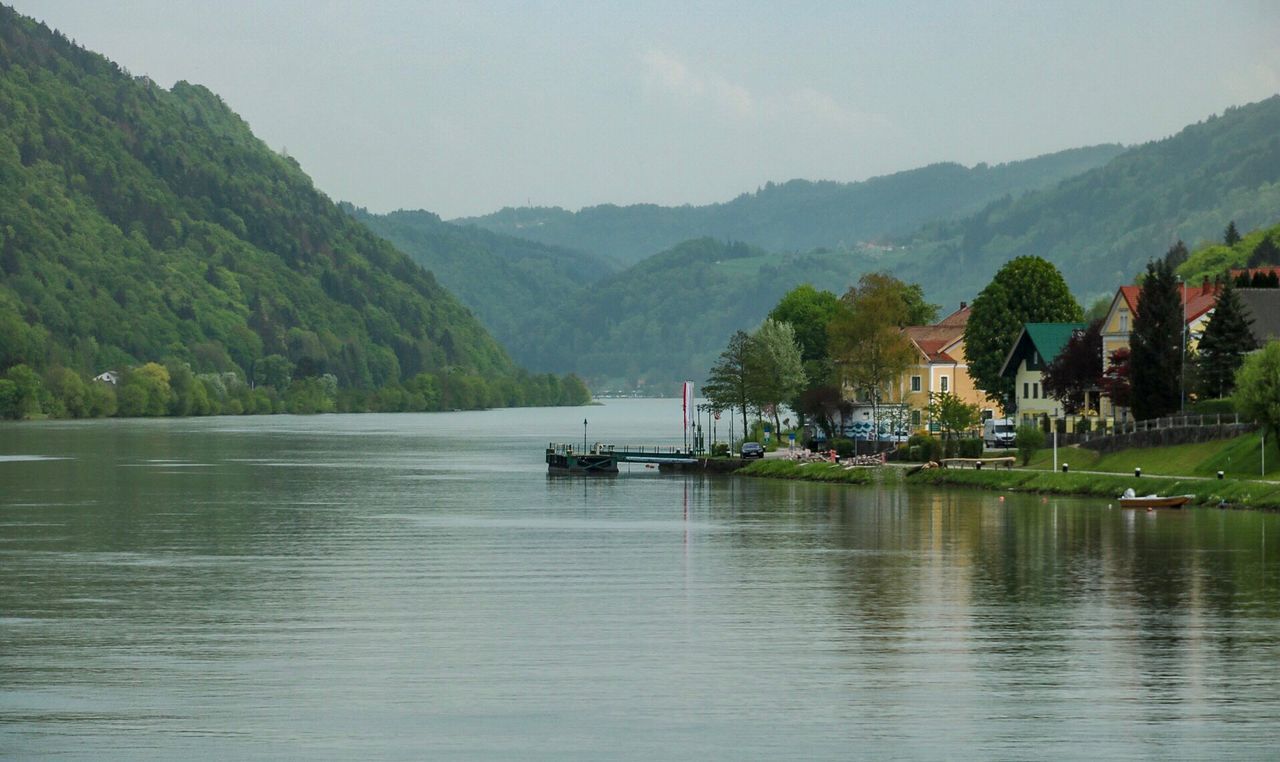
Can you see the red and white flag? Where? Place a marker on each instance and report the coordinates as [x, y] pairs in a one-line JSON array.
[[686, 395]]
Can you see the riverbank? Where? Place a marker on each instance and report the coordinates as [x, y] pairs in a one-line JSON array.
[[1226, 493], [1232, 493]]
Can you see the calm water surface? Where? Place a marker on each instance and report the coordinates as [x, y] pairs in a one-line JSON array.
[[414, 586]]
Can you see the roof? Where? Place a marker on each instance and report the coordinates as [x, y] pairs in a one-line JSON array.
[[1046, 338], [933, 341], [1263, 305], [1196, 300], [1252, 271]]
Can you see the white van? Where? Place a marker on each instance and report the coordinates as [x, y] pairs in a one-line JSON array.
[[999, 432]]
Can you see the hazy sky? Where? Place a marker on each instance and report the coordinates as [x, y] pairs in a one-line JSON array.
[[465, 107]]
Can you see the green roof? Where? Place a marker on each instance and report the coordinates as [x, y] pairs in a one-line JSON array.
[[1047, 339]]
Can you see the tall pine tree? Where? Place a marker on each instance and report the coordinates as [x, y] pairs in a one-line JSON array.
[[1156, 344], [1232, 236], [1226, 340]]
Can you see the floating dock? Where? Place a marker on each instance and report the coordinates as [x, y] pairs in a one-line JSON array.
[[603, 460]]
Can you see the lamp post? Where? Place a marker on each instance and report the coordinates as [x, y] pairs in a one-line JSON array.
[[584, 434], [1182, 338]]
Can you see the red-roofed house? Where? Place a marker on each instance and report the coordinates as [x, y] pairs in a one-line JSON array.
[[1197, 305], [942, 366]]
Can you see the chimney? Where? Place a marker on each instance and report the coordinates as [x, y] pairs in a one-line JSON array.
[[1205, 288], [963, 305]]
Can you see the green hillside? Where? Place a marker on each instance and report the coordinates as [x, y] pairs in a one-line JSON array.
[[666, 319], [798, 215], [1257, 248], [1102, 226], [503, 279], [139, 224]]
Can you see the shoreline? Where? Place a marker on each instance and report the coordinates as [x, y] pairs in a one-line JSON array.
[[1239, 494]]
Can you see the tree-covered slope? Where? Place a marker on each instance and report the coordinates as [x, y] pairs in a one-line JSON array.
[[668, 317], [798, 215], [503, 279], [140, 224], [1102, 226]]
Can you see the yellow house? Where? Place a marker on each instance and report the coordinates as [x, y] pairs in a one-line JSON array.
[[1197, 307], [941, 366]]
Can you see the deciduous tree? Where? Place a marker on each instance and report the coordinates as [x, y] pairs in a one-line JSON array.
[[1076, 370], [868, 347], [728, 385], [775, 373], [1026, 290], [1115, 380], [1257, 393]]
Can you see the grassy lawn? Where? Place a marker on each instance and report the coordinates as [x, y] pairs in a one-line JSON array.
[[1239, 458]]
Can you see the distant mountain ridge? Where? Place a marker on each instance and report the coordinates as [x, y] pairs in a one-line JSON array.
[[798, 215], [503, 279], [1100, 227]]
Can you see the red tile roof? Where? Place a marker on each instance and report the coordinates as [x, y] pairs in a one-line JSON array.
[[932, 340], [1196, 300]]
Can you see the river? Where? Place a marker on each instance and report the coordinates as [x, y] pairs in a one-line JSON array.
[[415, 587]]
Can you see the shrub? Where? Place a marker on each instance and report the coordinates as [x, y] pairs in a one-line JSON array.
[[924, 448], [971, 447], [843, 447], [1028, 439], [720, 449], [1212, 407]]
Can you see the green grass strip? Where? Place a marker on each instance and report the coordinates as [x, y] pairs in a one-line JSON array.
[[1235, 492], [813, 472]]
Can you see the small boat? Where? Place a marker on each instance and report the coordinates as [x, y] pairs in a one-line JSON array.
[[1131, 500]]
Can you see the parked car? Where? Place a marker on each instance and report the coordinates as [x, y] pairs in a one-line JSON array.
[[752, 450], [999, 432]]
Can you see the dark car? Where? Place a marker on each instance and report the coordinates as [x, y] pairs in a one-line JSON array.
[[752, 450]]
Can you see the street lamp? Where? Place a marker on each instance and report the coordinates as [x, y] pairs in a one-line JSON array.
[[1182, 340], [584, 434]]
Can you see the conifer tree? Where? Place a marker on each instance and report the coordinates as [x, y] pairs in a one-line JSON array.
[[1176, 255], [1265, 253], [1226, 340], [1232, 236], [1156, 344]]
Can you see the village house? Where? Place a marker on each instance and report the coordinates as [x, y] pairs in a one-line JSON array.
[[940, 367], [1036, 346], [1197, 307]]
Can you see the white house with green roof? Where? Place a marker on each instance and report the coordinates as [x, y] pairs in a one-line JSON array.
[[1035, 347]]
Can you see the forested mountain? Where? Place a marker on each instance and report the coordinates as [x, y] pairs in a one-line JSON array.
[[798, 215], [505, 280], [139, 224], [668, 317], [1102, 226]]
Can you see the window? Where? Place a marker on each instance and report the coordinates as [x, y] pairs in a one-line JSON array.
[[915, 417], [1035, 390], [915, 383], [1124, 322], [943, 385], [1026, 390]]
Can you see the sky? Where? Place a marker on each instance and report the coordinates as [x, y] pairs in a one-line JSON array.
[[463, 108]]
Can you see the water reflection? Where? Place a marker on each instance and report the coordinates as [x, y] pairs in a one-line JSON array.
[[415, 586]]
